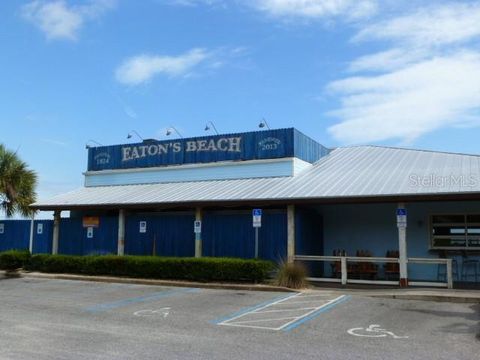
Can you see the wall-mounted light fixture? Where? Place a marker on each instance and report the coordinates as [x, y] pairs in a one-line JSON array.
[[133, 132], [263, 124], [88, 146], [207, 127], [173, 129]]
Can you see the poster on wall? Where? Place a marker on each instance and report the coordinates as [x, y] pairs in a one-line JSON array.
[[143, 227], [2, 228], [39, 229]]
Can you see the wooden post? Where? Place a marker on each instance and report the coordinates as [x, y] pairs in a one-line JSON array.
[[56, 231], [121, 233], [402, 249], [198, 235], [344, 269], [449, 274], [291, 233]]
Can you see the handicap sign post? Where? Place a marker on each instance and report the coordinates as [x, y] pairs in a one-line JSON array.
[[402, 218], [402, 244], [257, 223]]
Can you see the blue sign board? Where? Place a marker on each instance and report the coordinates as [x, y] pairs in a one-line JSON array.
[[268, 144], [257, 218], [401, 212], [257, 212]]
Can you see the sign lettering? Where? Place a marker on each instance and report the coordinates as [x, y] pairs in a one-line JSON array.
[[232, 144]]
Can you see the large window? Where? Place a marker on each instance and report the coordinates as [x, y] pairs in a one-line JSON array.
[[455, 231]]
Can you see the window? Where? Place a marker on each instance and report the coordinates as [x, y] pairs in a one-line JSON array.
[[455, 231]]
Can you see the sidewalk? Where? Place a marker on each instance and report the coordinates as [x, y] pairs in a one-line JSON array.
[[426, 294]]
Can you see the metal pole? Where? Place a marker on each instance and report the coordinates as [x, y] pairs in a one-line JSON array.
[[32, 224], [256, 243]]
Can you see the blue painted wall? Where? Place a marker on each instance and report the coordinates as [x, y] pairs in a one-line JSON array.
[[172, 233], [230, 234], [268, 144], [373, 227], [306, 148], [73, 238], [17, 235], [309, 237]]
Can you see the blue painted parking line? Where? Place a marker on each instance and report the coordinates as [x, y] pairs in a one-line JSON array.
[[284, 313], [314, 314], [253, 308], [139, 299]]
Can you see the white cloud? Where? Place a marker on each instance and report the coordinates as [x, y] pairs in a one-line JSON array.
[[142, 68], [423, 83], [58, 20], [387, 60], [316, 8], [198, 61], [429, 26]]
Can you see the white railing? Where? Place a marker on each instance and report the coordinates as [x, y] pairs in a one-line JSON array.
[[343, 260], [449, 277]]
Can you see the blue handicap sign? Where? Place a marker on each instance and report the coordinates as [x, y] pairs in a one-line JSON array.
[[401, 212], [257, 212]]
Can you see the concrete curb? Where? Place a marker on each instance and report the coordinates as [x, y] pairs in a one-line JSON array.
[[435, 298], [190, 284]]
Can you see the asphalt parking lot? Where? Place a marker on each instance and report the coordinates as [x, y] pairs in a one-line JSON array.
[[62, 319]]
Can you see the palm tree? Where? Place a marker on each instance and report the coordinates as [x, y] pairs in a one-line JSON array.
[[17, 184]]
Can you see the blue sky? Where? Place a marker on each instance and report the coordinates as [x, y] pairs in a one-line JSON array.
[[397, 73]]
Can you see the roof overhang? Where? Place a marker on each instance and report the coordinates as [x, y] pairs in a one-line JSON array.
[[407, 198]]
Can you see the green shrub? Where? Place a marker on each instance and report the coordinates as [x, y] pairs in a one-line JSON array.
[[14, 259], [292, 275], [153, 267]]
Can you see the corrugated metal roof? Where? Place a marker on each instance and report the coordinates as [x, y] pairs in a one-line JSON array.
[[361, 171]]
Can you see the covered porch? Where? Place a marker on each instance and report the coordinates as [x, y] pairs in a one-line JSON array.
[[362, 244]]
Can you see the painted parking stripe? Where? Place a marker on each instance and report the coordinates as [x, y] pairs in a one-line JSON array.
[[254, 308], [272, 315], [315, 313], [138, 299]]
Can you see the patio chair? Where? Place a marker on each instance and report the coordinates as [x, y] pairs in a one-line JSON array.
[[365, 269]]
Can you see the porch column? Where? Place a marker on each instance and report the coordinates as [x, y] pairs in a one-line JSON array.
[[56, 231], [121, 233], [198, 234], [402, 248], [30, 242], [291, 233]]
